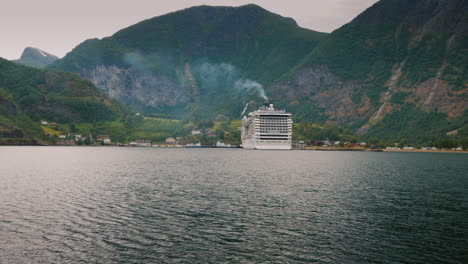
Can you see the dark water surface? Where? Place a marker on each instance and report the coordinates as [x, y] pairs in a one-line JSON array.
[[148, 205]]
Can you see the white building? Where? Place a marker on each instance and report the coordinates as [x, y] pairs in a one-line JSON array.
[[104, 139], [170, 140]]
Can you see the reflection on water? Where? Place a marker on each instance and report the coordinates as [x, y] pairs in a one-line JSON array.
[[147, 205]]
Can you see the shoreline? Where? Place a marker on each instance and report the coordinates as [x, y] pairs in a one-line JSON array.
[[305, 148], [388, 150], [426, 150]]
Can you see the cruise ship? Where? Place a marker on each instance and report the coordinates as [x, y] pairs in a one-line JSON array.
[[267, 128]]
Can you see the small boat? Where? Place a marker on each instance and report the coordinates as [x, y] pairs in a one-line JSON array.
[[191, 145]]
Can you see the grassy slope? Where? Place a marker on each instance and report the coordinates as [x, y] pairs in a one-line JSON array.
[[410, 124], [366, 49], [28, 95]]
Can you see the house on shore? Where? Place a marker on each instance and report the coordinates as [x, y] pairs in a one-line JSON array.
[[170, 140], [78, 137], [104, 139]]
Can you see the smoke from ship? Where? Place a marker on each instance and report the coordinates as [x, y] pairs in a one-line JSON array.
[[250, 87]]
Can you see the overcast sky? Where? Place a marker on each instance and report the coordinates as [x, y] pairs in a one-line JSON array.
[[57, 26]]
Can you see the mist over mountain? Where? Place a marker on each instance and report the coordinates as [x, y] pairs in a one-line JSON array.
[[34, 57], [157, 64], [399, 63]]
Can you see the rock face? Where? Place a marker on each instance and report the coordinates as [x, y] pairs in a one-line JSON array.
[[135, 89], [316, 84], [34, 57], [308, 82]]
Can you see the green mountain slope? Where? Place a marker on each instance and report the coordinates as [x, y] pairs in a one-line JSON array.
[[396, 53], [249, 37], [421, 33], [28, 95], [176, 63]]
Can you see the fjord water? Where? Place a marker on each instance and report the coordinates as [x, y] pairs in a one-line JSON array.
[[149, 205]]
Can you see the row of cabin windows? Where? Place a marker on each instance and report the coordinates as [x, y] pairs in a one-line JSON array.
[[274, 125], [274, 118], [273, 141], [274, 131], [273, 122]]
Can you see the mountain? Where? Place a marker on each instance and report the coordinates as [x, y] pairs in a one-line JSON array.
[[34, 57], [202, 60], [399, 66], [398, 71], [28, 95]]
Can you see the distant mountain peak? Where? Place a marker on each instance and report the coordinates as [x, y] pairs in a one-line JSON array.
[[31, 51], [36, 58]]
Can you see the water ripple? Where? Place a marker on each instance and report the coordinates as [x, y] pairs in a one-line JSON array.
[[137, 205]]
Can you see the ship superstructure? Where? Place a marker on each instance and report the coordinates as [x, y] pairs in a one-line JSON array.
[[267, 128]]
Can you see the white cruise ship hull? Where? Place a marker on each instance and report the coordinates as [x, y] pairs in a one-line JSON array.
[[273, 147], [251, 144]]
